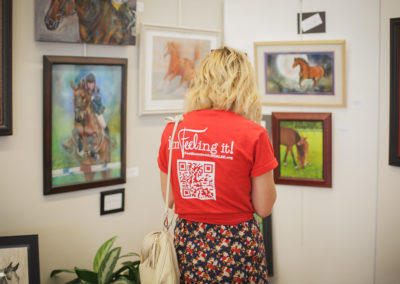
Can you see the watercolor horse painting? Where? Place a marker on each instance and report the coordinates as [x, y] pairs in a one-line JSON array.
[[173, 65], [299, 73], [302, 141], [86, 21]]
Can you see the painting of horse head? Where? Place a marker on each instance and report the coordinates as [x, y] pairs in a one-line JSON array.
[[8, 275], [86, 21]]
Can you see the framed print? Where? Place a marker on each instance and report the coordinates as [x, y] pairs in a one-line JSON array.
[[394, 129], [112, 201], [94, 21], [301, 73], [169, 57], [84, 122], [303, 147], [19, 259], [6, 68]]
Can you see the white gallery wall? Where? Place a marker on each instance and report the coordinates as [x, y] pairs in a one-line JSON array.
[[326, 235], [347, 234]]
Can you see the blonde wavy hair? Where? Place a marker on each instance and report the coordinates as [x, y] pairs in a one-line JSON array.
[[225, 81]]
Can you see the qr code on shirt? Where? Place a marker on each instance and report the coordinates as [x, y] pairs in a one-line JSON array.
[[196, 179]]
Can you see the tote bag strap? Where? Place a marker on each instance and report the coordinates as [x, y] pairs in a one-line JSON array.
[[176, 120]]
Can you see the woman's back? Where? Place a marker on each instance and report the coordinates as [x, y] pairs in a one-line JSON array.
[[215, 153]]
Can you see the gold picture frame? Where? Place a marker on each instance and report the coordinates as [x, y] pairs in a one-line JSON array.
[[301, 73]]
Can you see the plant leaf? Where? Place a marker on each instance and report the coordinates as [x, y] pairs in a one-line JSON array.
[[57, 271], [130, 254], [107, 266], [75, 281], [102, 252], [86, 275]]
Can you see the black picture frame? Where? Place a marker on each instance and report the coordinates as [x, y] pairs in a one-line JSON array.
[[86, 167], [103, 196], [8, 247], [6, 68], [394, 127]]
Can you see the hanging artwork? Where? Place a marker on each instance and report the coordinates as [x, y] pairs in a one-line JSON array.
[[303, 146], [169, 57], [86, 21], [394, 137], [308, 73], [6, 70], [19, 259], [84, 122]]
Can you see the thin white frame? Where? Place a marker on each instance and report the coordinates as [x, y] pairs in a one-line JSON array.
[[338, 47], [147, 105]]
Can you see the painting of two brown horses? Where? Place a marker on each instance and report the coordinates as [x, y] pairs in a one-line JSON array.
[[86, 21]]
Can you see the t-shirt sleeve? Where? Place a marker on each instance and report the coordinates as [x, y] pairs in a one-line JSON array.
[[264, 159], [163, 152]]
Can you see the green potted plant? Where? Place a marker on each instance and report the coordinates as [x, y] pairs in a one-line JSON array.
[[104, 264]]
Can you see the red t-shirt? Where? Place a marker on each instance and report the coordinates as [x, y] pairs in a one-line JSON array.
[[215, 154]]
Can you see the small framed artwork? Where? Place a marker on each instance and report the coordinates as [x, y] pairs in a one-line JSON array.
[[95, 22], [112, 201], [19, 259], [6, 68], [394, 129], [303, 147], [266, 230], [301, 73], [169, 57], [84, 122]]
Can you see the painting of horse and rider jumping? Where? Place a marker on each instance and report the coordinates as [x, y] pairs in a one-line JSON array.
[[84, 122], [308, 73], [169, 58], [86, 21], [302, 144], [19, 259]]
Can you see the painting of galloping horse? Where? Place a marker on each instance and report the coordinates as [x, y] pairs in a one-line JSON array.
[[85, 139], [86, 21], [308, 73]]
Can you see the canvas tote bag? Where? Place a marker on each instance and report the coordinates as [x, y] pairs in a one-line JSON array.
[[158, 261]]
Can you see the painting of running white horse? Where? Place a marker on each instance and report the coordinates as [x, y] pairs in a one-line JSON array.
[[169, 58], [302, 145], [301, 73]]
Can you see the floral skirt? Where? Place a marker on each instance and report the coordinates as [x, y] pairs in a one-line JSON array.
[[209, 253]]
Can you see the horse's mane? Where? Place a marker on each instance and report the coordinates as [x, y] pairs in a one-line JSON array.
[[301, 59]]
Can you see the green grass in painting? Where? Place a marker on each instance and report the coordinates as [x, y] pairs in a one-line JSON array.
[[312, 130]]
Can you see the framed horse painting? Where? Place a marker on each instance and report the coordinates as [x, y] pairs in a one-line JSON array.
[[303, 147], [169, 57], [87, 21], [301, 73], [84, 122], [19, 259], [5, 71], [394, 134]]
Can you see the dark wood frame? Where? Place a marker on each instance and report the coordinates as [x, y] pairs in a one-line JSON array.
[[32, 245], [267, 236], [326, 119], [394, 130], [111, 192], [6, 68], [48, 62]]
